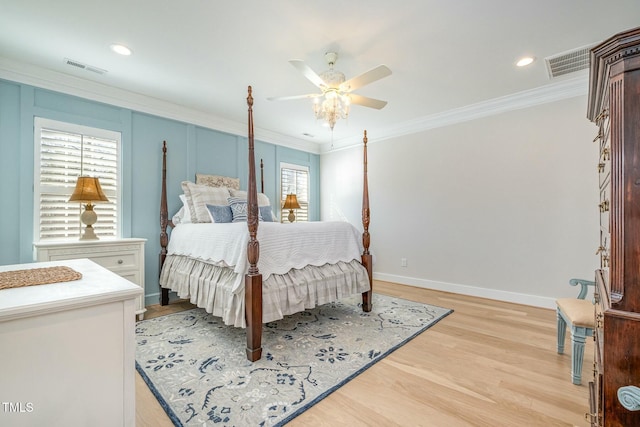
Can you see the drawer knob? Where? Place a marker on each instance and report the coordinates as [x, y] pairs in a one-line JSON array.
[[120, 261]]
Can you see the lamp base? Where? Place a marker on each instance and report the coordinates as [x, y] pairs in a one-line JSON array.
[[88, 218], [292, 216], [89, 234]]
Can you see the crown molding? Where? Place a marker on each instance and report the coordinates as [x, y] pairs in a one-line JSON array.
[[569, 88], [71, 85], [59, 82]]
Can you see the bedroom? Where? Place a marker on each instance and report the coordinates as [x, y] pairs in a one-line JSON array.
[[504, 201]]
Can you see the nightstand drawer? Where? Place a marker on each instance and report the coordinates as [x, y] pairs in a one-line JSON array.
[[113, 262]]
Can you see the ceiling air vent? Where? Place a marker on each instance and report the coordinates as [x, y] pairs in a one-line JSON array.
[[82, 66], [568, 62]]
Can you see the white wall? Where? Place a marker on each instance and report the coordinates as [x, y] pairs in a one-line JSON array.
[[503, 207]]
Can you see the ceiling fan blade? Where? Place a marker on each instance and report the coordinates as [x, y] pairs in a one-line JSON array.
[[287, 98], [367, 102], [308, 72], [365, 78]]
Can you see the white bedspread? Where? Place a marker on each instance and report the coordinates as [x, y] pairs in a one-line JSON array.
[[282, 246]]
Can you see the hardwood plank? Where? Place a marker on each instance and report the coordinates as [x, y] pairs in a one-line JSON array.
[[490, 363]]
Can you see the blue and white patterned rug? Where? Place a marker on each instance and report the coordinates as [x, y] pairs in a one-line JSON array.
[[197, 368]]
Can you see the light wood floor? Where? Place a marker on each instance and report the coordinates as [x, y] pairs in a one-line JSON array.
[[489, 363]]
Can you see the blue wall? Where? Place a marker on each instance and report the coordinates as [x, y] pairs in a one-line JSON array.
[[190, 149]]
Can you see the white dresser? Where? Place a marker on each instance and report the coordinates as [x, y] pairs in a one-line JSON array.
[[124, 257], [68, 350]]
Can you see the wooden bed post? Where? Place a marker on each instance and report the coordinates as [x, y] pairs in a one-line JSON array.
[[261, 176], [367, 259], [253, 279], [164, 221]]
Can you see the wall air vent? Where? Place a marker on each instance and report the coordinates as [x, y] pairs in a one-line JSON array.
[[82, 66], [568, 62]]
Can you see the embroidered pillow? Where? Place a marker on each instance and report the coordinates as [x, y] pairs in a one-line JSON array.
[[218, 181], [220, 214]]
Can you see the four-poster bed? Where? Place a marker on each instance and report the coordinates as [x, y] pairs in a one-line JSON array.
[[301, 265]]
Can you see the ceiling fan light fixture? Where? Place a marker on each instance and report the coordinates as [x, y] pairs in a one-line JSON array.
[[337, 94], [333, 107]]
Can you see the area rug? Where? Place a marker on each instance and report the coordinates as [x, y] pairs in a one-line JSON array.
[[197, 368]]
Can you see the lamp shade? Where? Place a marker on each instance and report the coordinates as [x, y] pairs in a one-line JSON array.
[[88, 190], [291, 202]]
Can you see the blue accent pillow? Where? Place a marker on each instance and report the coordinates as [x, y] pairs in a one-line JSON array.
[[239, 209], [265, 213], [220, 214]]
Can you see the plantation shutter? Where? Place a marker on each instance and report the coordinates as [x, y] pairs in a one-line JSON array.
[[65, 155], [295, 180]]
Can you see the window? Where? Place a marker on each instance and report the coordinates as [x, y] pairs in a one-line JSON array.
[[63, 152], [294, 179]]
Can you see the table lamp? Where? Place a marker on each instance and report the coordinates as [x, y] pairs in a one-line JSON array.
[[88, 191], [291, 203]]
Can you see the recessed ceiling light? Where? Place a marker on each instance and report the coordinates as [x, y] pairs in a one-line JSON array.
[[524, 61], [121, 49]]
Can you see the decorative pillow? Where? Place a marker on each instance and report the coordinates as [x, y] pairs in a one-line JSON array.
[[198, 196], [239, 209], [263, 200], [220, 214], [218, 181], [265, 213]]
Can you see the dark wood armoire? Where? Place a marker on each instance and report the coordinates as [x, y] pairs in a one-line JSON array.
[[614, 106]]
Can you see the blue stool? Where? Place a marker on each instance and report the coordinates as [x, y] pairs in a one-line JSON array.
[[579, 314]]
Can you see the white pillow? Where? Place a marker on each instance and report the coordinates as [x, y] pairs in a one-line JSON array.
[[183, 215], [263, 200], [177, 218], [186, 217], [198, 196]]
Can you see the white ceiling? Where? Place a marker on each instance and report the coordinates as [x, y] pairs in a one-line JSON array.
[[193, 59]]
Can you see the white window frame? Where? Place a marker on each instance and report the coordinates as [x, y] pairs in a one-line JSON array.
[[283, 195], [39, 124]]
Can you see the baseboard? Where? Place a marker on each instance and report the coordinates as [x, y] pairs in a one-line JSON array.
[[495, 294], [526, 299]]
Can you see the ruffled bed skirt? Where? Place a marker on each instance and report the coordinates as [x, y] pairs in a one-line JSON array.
[[211, 287]]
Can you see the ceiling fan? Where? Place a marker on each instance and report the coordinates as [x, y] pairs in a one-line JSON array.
[[337, 93]]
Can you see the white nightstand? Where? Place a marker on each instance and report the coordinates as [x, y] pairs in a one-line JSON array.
[[124, 257]]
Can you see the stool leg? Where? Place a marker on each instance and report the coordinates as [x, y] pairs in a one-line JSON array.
[[562, 327], [578, 338]]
